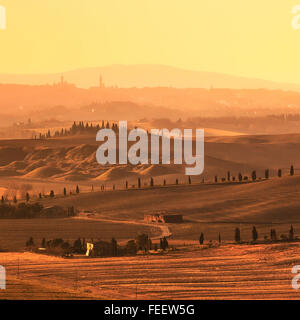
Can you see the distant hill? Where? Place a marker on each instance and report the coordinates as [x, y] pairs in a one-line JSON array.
[[147, 76]]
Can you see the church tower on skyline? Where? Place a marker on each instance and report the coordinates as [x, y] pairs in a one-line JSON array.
[[101, 83]]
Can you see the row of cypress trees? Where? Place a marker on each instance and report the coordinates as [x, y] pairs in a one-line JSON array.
[[237, 235]]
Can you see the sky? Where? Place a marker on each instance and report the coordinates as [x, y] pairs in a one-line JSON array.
[[246, 38]]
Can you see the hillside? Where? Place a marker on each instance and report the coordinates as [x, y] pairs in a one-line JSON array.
[[147, 76], [272, 201]]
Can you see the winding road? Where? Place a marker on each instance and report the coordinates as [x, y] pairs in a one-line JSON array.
[[164, 229]]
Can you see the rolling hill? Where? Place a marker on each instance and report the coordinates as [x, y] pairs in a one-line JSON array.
[[147, 76]]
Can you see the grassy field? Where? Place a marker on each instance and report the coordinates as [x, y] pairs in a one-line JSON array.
[[268, 201], [226, 272], [192, 230], [208, 208]]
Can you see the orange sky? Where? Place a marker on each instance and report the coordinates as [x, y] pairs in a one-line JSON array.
[[248, 38]]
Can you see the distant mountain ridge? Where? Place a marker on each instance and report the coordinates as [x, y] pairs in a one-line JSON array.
[[146, 76]]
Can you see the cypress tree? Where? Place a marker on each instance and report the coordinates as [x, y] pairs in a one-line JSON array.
[[254, 234], [267, 173], [201, 238], [114, 247], [240, 177], [292, 171], [237, 235], [291, 233], [228, 175]]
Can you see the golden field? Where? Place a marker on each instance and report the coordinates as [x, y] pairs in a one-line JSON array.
[[226, 272]]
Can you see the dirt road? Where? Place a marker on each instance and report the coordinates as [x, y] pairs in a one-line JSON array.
[[164, 229]]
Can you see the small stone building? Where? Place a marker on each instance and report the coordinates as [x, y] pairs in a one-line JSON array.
[[164, 218]]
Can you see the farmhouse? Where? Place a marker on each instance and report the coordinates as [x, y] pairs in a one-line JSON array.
[[164, 218]]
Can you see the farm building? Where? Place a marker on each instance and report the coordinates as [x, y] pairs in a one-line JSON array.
[[164, 218]]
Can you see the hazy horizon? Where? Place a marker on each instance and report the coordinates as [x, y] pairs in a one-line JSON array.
[[212, 36], [146, 75]]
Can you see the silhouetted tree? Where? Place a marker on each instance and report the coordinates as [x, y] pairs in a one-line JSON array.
[[279, 173], [291, 233], [65, 192], [228, 175], [52, 194], [77, 246], [131, 247], [273, 235], [43, 244], [142, 242], [253, 175], [176, 181], [30, 242], [292, 171], [40, 195], [151, 182], [114, 247], [216, 179], [201, 239], [27, 196], [254, 234], [267, 173], [164, 243], [237, 235], [2, 200], [139, 183], [240, 177], [71, 211], [15, 199]]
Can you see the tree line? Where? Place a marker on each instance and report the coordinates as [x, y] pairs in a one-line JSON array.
[[30, 210], [101, 248], [80, 128], [273, 236]]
